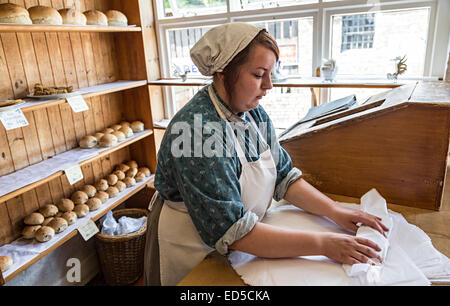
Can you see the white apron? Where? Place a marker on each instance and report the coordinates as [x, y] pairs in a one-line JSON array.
[[180, 247]]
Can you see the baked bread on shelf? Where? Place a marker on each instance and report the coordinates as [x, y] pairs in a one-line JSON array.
[[13, 13], [116, 18], [45, 15], [95, 17], [72, 16]]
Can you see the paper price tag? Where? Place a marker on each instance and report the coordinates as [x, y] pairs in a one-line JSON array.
[[13, 119], [77, 103], [88, 230], [74, 174]]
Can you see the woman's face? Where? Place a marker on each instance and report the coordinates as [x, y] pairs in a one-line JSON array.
[[254, 79]]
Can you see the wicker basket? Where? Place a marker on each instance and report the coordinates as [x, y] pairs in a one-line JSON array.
[[122, 257]]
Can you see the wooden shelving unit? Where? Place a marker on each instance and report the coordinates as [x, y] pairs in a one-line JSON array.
[[110, 67]]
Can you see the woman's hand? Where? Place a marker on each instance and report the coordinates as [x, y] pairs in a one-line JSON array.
[[348, 249], [348, 218]]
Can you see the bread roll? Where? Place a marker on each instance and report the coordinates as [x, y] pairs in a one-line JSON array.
[[45, 233], [121, 186], [13, 13], [89, 190], [81, 210], [70, 217], [131, 173], [108, 140], [58, 224], [122, 167], [125, 123], [98, 136], [29, 231], [112, 191], [101, 185], [44, 15], [139, 177], [60, 213], [129, 181], [127, 131], [120, 174], [72, 16], [95, 17], [137, 126], [120, 135], [115, 127], [5, 263], [79, 197], [103, 196], [88, 142], [116, 18], [132, 164], [112, 179], [108, 131], [34, 219], [47, 220], [49, 210], [145, 170], [94, 203]]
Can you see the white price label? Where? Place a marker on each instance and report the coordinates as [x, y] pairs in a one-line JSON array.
[[77, 103], [13, 119], [88, 230], [74, 174]]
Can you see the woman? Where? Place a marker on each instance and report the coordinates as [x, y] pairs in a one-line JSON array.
[[215, 187]]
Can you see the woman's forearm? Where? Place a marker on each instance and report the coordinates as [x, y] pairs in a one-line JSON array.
[[303, 195], [273, 242]]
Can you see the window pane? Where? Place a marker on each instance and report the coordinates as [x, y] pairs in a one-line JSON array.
[[242, 5], [366, 44], [185, 8]]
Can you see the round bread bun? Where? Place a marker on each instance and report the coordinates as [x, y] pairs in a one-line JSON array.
[[60, 213], [88, 142], [72, 16], [145, 170], [81, 210], [49, 210], [140, 176], [120, 135], [44, 15], [65, 205], [125, 123], [13, 13], [94, 203], [132, 164], [5, 263], [112, 191], [132, 172], [89, 190], [108, 140], [95, 17], [116, 18], [34, 219], [108, 131], [122, 167], [98, 136], [47, 220], [103, 196], [58, 224], [115, 127], [120, 174], [137, 126], [129, 181], [29, 231], [79, 197], [127, 131], [101, 185], [45, 233], [112, 179], [121, 186], [70, 217]]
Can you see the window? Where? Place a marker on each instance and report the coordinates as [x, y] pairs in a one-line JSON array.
[[363, 36]]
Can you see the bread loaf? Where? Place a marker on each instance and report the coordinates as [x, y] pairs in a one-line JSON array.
[[72, 16], [44, 234], [127, 131], [122, 167], [49, 210], [79, 197], [94, 203], [81, 210], [58, 224], [116, 18], [5, 263], [88, 142], [120, 135], [145, 170], [137, 126], [120, 186], [131, 172], [101, 185], [89, 190], [13, 13], [139, 177], [102, 196], [112, 179], [112, 191], [44, 15], [29, 231], [94, 17], [129, 181], [34, 219], [70, 217], [108, 140], [132, 164], [47, 220], [65, 205], [120, 174]]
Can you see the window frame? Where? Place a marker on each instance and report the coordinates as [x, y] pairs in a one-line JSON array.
[[438, 33]]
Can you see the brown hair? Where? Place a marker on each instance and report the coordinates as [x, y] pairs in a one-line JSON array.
[[231, 71]]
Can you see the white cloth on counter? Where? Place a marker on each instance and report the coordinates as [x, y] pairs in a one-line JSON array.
[[410, 258]]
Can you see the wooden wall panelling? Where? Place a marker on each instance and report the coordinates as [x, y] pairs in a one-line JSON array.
[[15, 213], [6, 231], [31, 140], [68, 127], [44, 133], [56, 128], [6, 162], [14, 64], [5, 81]]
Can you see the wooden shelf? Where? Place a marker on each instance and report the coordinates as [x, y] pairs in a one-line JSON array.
[[111, 204], [65, 28], [313, 82], [88, 92], [58, 172]]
